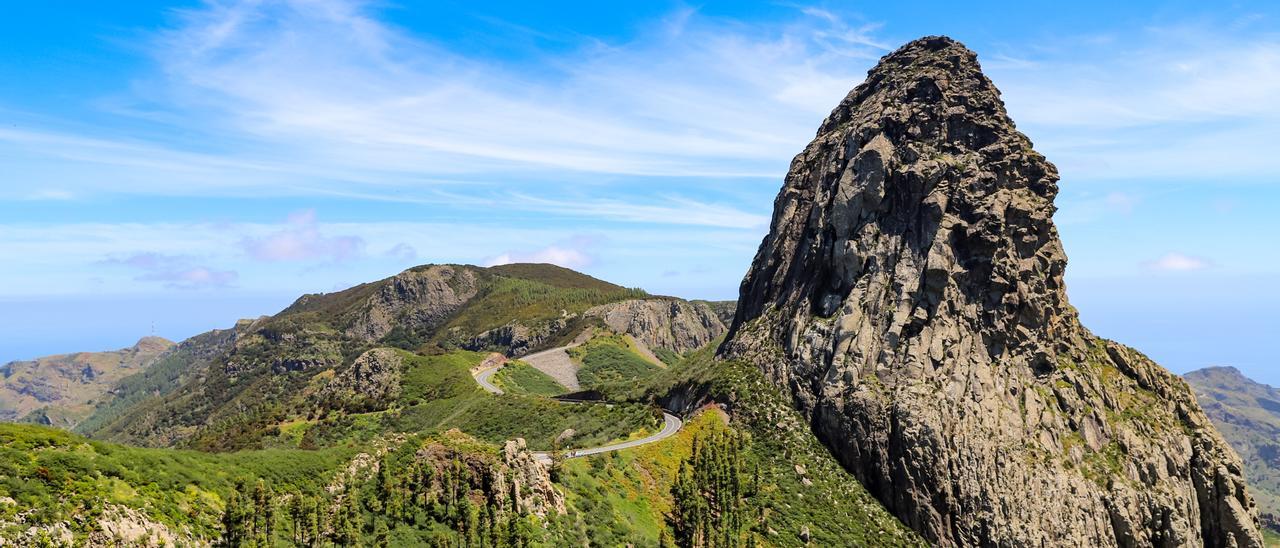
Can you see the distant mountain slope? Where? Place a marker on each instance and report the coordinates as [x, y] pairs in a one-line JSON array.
[[1248, 415], [62, 390], [236, 387], [170, 371]]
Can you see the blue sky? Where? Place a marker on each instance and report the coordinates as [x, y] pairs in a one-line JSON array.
[[175, 166]]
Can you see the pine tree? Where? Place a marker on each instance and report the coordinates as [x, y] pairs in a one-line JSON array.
[[315, 523], [263, 517], [236, 528], [295, 519], [381, 534], [348, 522], [711, 501]]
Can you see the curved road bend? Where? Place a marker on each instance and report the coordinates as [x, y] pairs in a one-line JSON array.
[[485, 378], [671, 424]]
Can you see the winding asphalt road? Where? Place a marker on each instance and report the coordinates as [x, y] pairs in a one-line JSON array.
[[485, 378], [671, 424]]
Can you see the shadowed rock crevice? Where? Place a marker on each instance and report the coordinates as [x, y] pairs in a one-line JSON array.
[[910, 295]]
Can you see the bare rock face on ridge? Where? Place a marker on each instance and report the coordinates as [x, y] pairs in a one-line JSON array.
[[415, 298], [676, 325], [910, 296]]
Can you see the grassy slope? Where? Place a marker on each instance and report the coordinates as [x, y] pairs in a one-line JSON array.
[[613, 499], [622, 498], [1271, 538], [162, 377], [608, 360], [1247, 413], [530, 294], [521, 378], [438, 394]]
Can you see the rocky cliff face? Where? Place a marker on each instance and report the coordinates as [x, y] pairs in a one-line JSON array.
[[1248, 415], [676, 325], [516, 338], [910, 296], [415, 299]]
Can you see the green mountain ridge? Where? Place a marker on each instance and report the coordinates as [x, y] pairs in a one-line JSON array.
[[242, 382]]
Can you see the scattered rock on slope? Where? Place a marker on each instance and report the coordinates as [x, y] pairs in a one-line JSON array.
[[910, 296], [370, 382]]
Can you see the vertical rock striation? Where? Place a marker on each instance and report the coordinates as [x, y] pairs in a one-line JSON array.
[[910, 296]]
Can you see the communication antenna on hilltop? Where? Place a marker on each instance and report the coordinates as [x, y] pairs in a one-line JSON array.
[[153, 329]]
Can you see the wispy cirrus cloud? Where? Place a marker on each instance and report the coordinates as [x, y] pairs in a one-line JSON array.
[[331, 76], [307, 97], [1185, 102], [304, 97]]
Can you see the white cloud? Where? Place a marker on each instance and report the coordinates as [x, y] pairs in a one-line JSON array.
[[311, 96], [176, 272], [568, 258], [1177, 262], [402, 252], [62, 258], [1121, 202], [678, 211], [301, 240], [570, 253], [326, 84]]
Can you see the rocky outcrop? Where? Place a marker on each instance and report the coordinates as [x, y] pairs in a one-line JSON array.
[[416, 300], [724, 309], [491, 481], [370, 382], [515, 338], [910, 296], [530, 481], [673, 324]]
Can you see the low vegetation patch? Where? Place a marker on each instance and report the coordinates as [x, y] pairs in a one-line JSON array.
[[521, 378], [608, 360]]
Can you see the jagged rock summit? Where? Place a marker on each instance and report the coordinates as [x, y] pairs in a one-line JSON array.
[[910, 296]]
